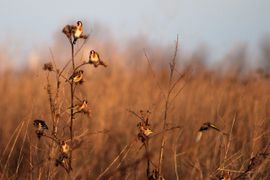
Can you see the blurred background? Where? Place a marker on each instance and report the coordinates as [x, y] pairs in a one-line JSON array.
[[217, 28], [223, 55]]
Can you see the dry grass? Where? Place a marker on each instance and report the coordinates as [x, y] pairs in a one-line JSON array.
[[109, 146]]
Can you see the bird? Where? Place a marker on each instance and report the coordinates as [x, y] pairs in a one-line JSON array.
[[64, 147], [80, 107], [77, 76], [40, 124], [147, 131], [144, 129], [77, 31], [205, 127], [95, 59]]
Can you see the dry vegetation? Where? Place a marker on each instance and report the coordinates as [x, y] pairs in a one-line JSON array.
[[107, 143]]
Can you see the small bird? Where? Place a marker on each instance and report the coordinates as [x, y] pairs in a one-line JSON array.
[[147, 131], [205, 127], [61, 160], [40, 124], [77, 31], [225, 177], [77, 76], [64, 147], [95, 59], [80, 107], [144, 129]]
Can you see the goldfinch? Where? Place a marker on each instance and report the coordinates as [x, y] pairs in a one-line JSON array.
[[225, 177], [205, 127], [95, 59], [80, 107], [144, 129], [40, 124], [147, 131], [64, 147], [61, 160], [77, 77], [77, 31]]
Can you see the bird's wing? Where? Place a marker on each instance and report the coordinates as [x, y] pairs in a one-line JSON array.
[[199, 136]]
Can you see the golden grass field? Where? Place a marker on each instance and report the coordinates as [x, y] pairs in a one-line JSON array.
[[238, 105]]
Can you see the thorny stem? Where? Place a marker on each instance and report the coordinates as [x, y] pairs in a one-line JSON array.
[[84, 63], [52, 138], [147, 158], [172, 67], [71, 102], [52, 107]]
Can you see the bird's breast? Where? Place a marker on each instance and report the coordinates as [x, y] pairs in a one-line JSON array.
[[78, 33]]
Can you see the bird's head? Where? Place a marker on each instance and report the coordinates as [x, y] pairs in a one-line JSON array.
[[92, 52], [79, 23], [81, 71], [207, 124]]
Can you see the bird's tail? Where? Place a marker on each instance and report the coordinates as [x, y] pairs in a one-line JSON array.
[[74, 41], [103, 64]]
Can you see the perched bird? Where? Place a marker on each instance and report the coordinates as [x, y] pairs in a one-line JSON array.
[[225, 177], [80, 107], [95, 59], [40, 124], [144, 129], [77, 76], [77, 31], [61, 160], [64, 147], [205, 127], [155, 175], [147, 131]]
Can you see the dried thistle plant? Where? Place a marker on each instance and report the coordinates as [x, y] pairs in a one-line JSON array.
[[48, 67], [62, 147]]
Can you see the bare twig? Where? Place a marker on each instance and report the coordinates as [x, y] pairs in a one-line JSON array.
[[66, 65], [175, 157], [11, 150], [172, 67], [153, 73], [72, 91]]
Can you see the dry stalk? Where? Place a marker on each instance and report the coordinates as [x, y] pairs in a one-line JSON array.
[[124, 150], [167, 101]]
